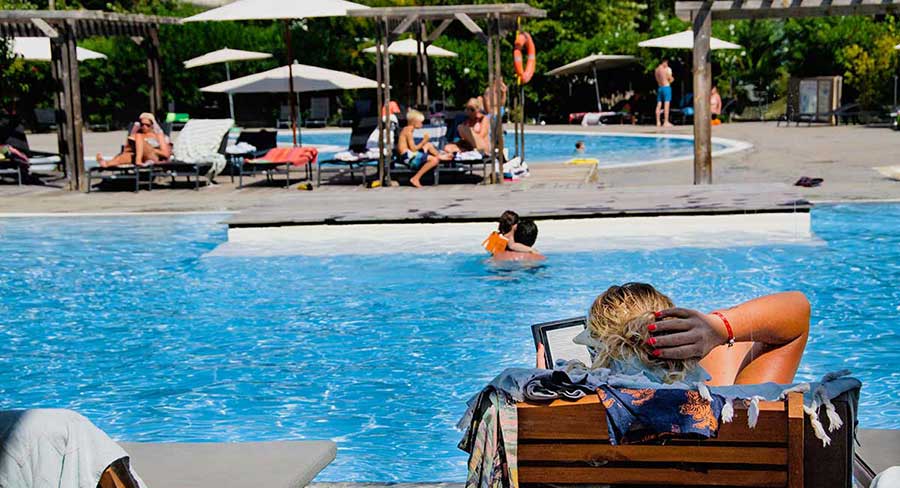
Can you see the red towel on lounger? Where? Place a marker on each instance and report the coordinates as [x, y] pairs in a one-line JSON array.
[[297, 156]]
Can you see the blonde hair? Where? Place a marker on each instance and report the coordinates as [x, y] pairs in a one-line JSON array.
[[618, 321], [147, 115], [475, 103], [412, 115]]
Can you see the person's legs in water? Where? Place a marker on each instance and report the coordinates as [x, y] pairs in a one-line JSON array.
[[430, 163]]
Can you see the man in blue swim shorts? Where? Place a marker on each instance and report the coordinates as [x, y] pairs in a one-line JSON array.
[[664, 79]]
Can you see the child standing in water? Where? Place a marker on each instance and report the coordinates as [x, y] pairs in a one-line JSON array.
[[503, 238]]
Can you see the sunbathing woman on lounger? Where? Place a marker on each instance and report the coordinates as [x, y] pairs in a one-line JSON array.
[[757, 341], [474, 133], [146, 144]]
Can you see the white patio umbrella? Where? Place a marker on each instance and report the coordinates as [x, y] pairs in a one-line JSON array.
[[225, 56], [296, 78], [685, 40], [594, 63], [409, 47], [276, 10], [38, 49], [897, 46], [279, 10]]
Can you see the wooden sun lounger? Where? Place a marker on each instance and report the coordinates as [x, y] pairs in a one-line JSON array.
[[568, 443]]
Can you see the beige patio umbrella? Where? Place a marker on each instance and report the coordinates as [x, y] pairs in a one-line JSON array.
[[594, 63], [296, 78], [38, 49], [409, 47], [685, 40], [284, 10], [225, 56]]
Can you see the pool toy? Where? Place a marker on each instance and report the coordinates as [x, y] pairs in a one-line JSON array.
[[524, 40], [583, 161]]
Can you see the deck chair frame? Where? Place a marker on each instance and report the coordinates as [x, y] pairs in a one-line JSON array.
[[568, 443]]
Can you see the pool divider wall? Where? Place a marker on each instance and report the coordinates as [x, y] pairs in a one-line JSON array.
[[555, 236]]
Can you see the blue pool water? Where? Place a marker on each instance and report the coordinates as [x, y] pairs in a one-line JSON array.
[[127, 321], [554, 148]]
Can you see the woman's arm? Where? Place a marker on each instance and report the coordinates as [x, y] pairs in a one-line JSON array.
[[773, 320]]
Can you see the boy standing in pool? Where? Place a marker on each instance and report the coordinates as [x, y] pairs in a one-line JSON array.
[[504, 237]]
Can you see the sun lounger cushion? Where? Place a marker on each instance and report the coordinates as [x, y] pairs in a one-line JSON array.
[[235, 465], [297, 156], [53, 447], [199, 142]]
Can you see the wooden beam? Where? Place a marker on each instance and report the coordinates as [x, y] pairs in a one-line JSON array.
[[76, 116], [59, 70], [45, 28], [388, 133], [439, 30], [448, 11], [702, 89], [405, 24], [379, 96], [472, 26], [153, 73], [767, 9]]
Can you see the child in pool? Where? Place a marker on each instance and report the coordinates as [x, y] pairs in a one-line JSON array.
[[504, 238]]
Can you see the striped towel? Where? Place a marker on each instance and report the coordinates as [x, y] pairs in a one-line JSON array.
[[199, 142]]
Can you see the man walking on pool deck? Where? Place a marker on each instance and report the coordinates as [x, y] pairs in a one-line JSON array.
[[664, 79]]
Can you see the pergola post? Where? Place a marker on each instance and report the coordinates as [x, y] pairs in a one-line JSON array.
[[153, 72], [496, 108], [702, 89], [385, 139], [64, 65], [379, 97]]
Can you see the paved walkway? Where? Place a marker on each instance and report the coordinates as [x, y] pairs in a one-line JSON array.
[[843, 156]]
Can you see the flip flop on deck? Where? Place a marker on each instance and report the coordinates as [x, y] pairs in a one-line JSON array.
[[287, 464]]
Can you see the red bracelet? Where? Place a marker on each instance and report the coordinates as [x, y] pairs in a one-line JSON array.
[[728, 329]]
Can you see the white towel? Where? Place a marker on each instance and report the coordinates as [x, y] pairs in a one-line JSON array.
[[199, 142], [54, 447]]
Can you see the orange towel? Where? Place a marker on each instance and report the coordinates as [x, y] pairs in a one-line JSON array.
[[297, 156], [495, 243]]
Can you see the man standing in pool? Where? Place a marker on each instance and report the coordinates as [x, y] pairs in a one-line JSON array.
[[664, 79], [526, 233]]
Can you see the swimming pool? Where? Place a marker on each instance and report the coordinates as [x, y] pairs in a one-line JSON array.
[[132, 322], [557, 147]]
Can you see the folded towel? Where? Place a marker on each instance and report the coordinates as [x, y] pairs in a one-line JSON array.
[[352, 156], [297, 156], [240, 148], [469, 156]]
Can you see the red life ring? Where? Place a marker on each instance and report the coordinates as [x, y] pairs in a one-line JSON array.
[[524, 40]]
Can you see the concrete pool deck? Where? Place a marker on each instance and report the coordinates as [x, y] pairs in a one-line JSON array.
[[842, 156]]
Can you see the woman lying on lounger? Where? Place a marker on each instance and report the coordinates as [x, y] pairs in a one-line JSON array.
[[755, 342], [146, 144]]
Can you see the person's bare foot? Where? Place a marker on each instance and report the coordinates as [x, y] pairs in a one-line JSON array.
[[100, 161], [415, 182], [668, 124]]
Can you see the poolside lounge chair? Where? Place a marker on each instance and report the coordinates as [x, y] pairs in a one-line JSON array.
[[44, 119], [565, 443], [283, 464], [279, 160], [319, 111], [362, 152], [12, 133], [199, 150], [284, 117]]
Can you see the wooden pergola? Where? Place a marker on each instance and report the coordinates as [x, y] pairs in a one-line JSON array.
[[64, 28], [702, 13], [497, 20]]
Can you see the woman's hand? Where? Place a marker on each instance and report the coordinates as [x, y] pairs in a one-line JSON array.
[[541, 361], [688, 334]]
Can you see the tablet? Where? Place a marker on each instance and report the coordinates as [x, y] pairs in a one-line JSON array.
[[557, 339]]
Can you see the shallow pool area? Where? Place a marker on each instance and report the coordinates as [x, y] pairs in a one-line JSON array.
[[138, 323], [558, 147]]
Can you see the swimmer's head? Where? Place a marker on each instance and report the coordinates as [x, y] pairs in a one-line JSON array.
[[618, 322], [579, 146], [508, 220], [526, 232]]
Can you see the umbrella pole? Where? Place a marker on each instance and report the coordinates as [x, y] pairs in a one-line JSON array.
[[290, 50], [230, 96], [597, 89]]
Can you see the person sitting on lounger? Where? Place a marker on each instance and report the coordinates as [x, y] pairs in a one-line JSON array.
[[504, 237], [525, 234], [474, 133], [757, 341], [146, 144], [423, 155]]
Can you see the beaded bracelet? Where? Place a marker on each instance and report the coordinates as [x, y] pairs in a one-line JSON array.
[[728, 329]]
